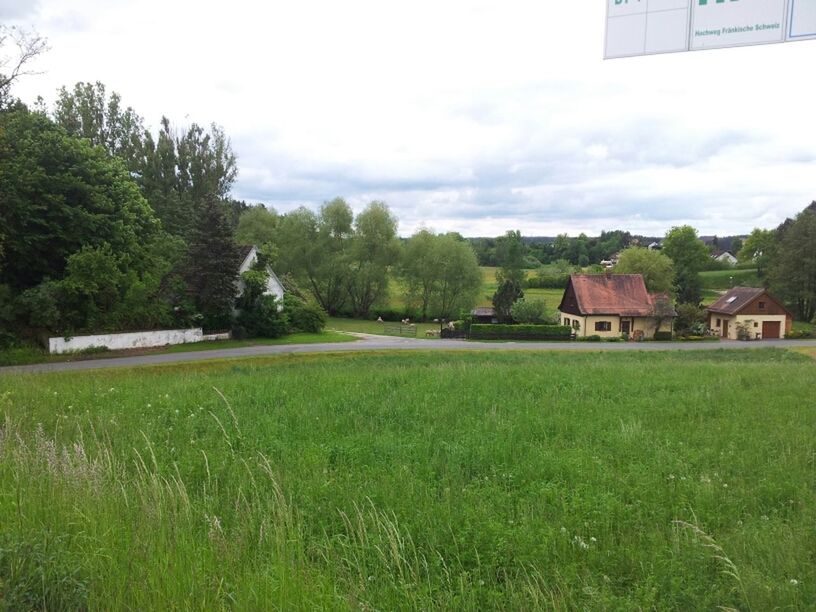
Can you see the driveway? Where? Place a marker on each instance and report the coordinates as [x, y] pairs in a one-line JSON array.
[[367, 342]]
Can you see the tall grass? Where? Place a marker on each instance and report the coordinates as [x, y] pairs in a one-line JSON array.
[[422, 481]]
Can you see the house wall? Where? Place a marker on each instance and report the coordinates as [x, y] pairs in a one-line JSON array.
[[754, 322], [145, 339], [643, 324], [273, 284]]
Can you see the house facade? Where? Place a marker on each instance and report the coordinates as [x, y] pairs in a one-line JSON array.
[[754, 311], [273, 284], [609, 305], [726, 257]]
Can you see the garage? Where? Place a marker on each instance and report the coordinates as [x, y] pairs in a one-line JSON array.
[[771, 330]]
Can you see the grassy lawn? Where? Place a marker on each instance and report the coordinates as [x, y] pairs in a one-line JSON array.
[[29, 354], [362, 326], [422, 481], [725, 279]]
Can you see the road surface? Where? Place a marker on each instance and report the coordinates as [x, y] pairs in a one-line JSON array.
[[385, 343]]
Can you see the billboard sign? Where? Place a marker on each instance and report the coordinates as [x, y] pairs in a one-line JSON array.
[[644, 27]]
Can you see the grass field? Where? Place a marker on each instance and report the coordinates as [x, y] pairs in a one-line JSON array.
[[30, 354], [422, 481], [725, 279]]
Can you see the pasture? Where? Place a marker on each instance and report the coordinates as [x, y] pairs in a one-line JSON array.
[[425, 481]]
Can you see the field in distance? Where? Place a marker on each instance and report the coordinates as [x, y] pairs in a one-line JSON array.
[[423, 481]]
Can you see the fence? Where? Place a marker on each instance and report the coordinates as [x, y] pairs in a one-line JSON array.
[[397, 329]]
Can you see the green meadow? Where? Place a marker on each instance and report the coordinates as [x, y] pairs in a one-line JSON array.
[[425, 481]]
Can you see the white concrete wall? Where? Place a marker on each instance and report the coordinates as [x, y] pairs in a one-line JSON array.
[[145, 339]]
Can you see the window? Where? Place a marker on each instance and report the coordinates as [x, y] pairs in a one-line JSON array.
[[762, 305], [576, 325], [566, 321], [603, 326], [719, 322], [756, 324]]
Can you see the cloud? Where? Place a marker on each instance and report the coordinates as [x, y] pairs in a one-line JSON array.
[[12, 10]]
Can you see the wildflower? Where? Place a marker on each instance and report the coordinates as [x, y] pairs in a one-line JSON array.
[[150, 405], [764, 517], [593, 539], [794, 582], [111, 390], [563, 530]]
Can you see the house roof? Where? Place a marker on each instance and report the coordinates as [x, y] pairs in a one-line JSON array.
[[484, 311], [738, 298], [613, 294], [243, 252]]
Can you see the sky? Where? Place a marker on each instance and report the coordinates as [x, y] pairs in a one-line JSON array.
[[463, 115]]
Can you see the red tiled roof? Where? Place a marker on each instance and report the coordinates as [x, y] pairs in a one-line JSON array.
[[613, 294]]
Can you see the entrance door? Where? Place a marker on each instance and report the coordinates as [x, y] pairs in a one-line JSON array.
[[626, 327], [771, 330], [725, 329]]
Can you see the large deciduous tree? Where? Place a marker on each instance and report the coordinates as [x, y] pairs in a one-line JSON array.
[[441, 274], [657, 269], [510, 253], [690, 256], [759, 248], [374, 249], [792, 274]]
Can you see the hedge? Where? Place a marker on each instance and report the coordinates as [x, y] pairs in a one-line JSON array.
[[663, 336], [520, 332]]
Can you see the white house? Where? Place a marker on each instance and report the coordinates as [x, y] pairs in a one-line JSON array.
[[726, 257], [274, 287]]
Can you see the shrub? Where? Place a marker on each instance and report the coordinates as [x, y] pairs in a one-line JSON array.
[[798, 334], [519, 332], [394, 314], [304, 316], [529, 311], [263, 318], [691, 319], [663, 336], [592, 338]]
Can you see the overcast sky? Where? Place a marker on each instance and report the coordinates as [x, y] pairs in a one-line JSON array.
[[462, 115]]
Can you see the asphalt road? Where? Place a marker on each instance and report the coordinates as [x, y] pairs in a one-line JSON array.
[[384, 343]]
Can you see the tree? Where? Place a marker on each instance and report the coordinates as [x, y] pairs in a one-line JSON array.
[[657, 269], [59, 195], [662, 311], [88, 112], [374, 248], [690, 256], [27, 45], [212, 268], [510, 253], [792, 274], [530, 311], [441, 274], [508, 292], [736, 246], [256, 226], [759, 248]]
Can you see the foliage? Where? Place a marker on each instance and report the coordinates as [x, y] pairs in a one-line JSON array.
[[60, 194], [655, 266], [212, 266], [745, 330], [256, 226], [373, 249], [484, 331], [263, 318], [662, 311], [690, 256], [304, 316], [759, 248], [440, 273], [530, 311], [792, 274], [511, 256], [506, 295], [663, 336], [692, 319]]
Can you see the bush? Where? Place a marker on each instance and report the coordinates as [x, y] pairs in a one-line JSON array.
[[394, 314], [519, 332], [798, 334], [663, 336], [548, 280], [304, 316], [529, 311], [264, 319], [593, 338], [691, 319]]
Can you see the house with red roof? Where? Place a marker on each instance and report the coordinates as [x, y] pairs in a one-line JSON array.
[[609, 305], [751, 310]]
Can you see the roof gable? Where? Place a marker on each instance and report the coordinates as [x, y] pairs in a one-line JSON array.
[[611, 294]]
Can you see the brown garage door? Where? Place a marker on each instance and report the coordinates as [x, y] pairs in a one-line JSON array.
[[770, 329]]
